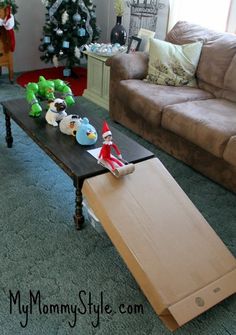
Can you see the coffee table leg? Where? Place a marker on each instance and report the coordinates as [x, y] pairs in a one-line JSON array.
[[78, 216], [9, 138]]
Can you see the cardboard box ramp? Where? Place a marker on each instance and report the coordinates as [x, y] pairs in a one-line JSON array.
[[178, 260]]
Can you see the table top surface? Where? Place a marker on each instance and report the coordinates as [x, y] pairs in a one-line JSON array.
[[72, 157]]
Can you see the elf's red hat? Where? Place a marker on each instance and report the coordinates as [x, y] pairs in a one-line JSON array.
[[105, 130], [9, 25]]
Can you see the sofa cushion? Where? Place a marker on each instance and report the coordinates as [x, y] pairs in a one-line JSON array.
[[230, 151], [148, 100], [207, 123], [173, 65], [217, 53]]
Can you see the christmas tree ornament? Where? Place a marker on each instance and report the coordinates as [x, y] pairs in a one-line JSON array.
[[88, 26], [76, 18], [55, 61], [81, 32], [66, 72], [59, 32], [45, 3], [77, 53], [64, 17], [41, 47], [66, 44], [47, 39], [50, 48], [93, 15], [105, 49]]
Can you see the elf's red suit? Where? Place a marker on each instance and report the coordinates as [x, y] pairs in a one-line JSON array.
[[105, 152]]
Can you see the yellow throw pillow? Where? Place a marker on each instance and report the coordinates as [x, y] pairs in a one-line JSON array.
[[173, 65]]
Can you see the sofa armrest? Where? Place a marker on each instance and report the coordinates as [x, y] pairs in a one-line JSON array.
[[128, 66]]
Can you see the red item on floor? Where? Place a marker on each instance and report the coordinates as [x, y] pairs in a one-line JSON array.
[[77, 81]]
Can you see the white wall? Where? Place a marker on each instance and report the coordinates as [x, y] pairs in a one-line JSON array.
[[105, 18], [31, 16]]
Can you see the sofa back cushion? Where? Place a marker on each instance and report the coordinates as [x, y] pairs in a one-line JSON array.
[[218, 52]]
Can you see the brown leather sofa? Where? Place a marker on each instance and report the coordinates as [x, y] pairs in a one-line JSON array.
[[195, 125]]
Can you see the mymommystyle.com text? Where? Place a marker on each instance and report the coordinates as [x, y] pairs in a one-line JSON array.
[[87, 303]]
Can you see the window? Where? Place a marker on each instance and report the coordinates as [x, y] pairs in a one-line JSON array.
[[209, 13]]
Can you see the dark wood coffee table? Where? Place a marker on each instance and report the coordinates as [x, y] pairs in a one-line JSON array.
[[72, 157]]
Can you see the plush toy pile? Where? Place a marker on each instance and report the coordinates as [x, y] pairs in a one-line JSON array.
[[72, 125]]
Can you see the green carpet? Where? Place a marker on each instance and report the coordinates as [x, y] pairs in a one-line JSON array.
[[41, 252]]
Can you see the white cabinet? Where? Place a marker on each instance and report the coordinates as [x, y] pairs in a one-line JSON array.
[[98, 80]]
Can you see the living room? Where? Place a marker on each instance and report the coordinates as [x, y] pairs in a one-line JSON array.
[[57, 280]]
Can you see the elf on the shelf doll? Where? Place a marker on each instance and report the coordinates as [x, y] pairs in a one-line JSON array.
[[8, 23], [105, 153]]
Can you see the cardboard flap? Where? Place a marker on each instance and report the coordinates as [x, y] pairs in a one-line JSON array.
[[171, 250], [200, 301]]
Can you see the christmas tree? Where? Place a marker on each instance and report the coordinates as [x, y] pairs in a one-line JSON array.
[[70, 25]]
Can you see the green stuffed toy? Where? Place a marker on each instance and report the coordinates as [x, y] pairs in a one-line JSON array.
[[45, 89]]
